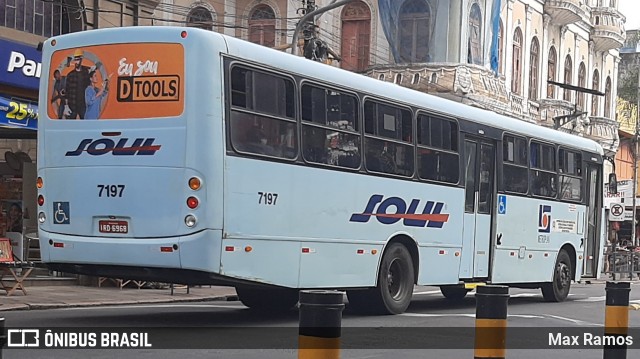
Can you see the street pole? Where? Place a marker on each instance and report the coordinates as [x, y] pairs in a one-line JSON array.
[[634, 240], [310, 16]]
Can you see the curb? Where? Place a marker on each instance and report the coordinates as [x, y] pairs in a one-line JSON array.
[[45, 306]]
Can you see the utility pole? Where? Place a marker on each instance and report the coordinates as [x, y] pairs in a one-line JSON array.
[[634, 239], [314, 48]]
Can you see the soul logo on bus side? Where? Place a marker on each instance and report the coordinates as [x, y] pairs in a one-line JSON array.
[[101, 146], [544, 219], [431, 215]]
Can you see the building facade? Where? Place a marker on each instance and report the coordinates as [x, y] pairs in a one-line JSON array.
[[498, 54], [572, 42]]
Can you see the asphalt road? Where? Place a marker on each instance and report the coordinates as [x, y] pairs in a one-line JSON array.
[[431, 328]]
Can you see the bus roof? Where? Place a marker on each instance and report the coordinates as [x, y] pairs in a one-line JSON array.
[[350, 80]]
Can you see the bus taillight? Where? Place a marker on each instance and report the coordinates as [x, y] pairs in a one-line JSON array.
[[192, 202], [183, 34], [40, 200], [39, 182], [195, 183]]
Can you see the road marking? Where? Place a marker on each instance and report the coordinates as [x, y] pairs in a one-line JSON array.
[[575, 321], [428, 292], [524, 316], [592, 299], [471, 315], [173, 305], [524, 295]]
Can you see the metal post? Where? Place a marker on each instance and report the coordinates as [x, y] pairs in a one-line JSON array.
[[320, 324], [491, 321], [3, 337], [309, 17], [634, 240], [616, 319]]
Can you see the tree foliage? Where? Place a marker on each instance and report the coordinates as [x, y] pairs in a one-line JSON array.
[[628, 85]]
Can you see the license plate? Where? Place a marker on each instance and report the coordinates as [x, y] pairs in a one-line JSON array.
[[113, 226]]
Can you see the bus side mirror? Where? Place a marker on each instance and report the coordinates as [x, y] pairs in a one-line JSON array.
[[613, 183]]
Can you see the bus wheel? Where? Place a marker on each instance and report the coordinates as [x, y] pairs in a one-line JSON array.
[[454, 293], [280, 299], [558, 289], [395, 285]]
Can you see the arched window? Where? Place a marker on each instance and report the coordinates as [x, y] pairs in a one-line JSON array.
[[356, 39], [500, 48], [262, 26], [568, 74], [551, 67], [607, 98], [516, 74], [582, 82], [200, 17], [475, 35], [414, 31], [594, 98], [534, 59]]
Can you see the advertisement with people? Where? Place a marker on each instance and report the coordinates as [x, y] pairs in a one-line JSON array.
[[117, 81]]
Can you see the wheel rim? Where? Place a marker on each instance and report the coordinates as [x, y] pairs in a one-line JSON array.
[[394, 279], [563, 275]]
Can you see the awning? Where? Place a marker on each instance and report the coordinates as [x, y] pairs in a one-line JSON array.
[[18, 114]]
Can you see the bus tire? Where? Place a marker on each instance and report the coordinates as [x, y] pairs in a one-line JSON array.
[[261, 299], [558, 289], [393, 293], [454, 293]]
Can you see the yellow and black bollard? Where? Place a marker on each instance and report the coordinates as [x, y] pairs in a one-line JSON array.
[[616, 320], [320, 324], [491, 321]]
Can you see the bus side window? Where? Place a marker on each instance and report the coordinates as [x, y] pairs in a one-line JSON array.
[[329, 127], [262, 113], [262, 136], [543, 170], [514, 167], [435, 164]]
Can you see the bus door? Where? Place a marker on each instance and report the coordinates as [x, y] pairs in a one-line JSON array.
[[592, 238], [479, 196]]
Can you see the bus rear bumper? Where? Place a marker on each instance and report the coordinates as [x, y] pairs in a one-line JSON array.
[[199, 251]]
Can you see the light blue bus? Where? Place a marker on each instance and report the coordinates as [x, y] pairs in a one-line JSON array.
[[193, 157]]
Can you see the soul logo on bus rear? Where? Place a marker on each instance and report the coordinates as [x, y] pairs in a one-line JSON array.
[[148, 88], [124, 147], [431, 215]]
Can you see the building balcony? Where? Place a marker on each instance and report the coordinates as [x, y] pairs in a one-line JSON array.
[[564, 12], [549, 108], [608, 31], [470, 84], [604, 131]]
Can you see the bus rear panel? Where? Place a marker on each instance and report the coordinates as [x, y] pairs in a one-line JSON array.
[[118, 160]]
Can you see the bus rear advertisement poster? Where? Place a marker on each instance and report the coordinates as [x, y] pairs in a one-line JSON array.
[[104, 82]]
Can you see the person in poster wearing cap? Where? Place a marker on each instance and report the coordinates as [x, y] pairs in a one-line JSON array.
[[77, 82]]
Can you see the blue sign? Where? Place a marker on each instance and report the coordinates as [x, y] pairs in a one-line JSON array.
[[502, 204], [61, 213], [18, 113], [20, 65]]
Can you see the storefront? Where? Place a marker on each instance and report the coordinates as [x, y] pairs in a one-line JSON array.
[[19, 83]]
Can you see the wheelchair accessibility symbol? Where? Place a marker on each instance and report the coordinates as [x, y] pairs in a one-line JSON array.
[[502, 204], [61, 212]]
